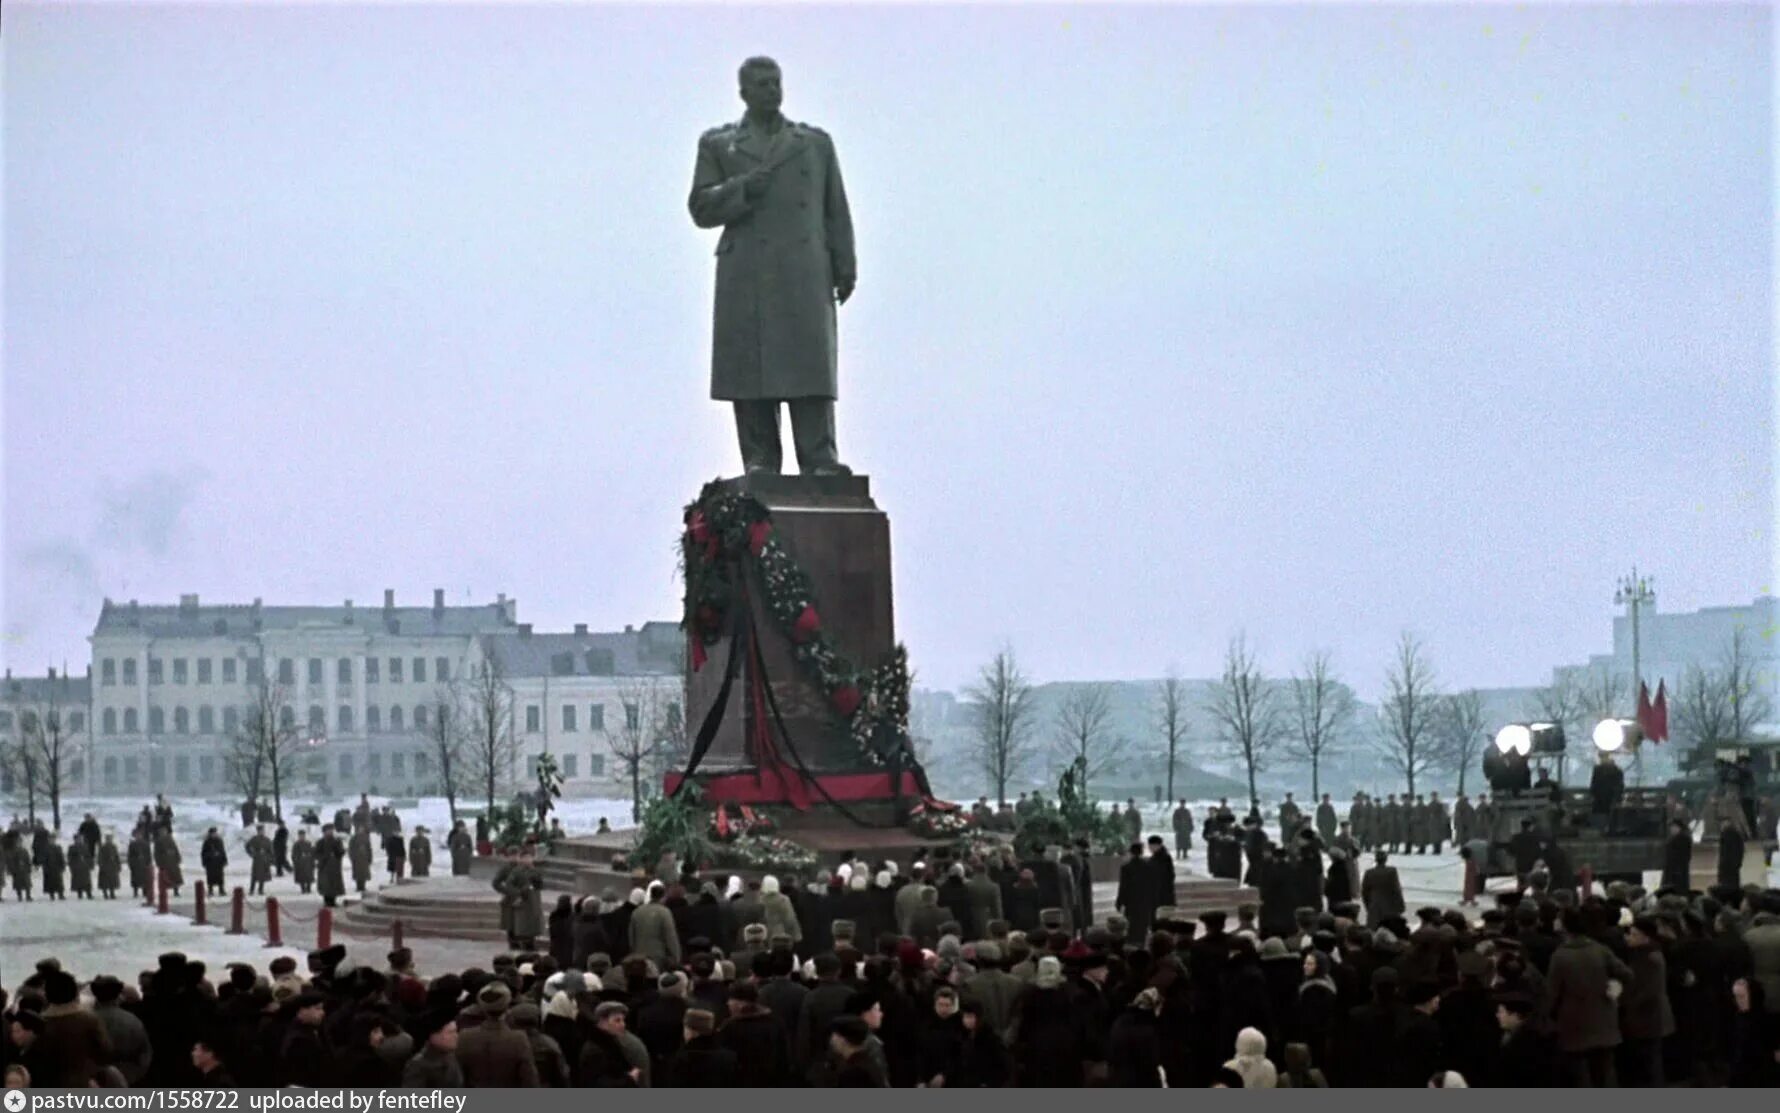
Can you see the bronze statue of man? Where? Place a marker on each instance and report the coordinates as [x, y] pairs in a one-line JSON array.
[[784, 262]]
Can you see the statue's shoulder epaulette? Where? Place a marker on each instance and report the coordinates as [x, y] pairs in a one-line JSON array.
[[718, 132], [812, 129]]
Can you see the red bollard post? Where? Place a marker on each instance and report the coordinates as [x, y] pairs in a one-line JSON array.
[[397, 933], [198, 916], [161, 909], [238, 912], [273, 936], [324, 929], [1585, 882]]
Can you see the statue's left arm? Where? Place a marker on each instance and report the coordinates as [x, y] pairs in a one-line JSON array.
[[716, 200], [837, 227]]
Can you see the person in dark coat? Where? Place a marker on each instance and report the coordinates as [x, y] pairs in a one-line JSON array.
[[1381, 891], [1050, 1045], [1338, 885], [1677, 858], [939, 1044], [1584, 1014], [1279, 896], [462, 849], [55, 863], [1022, 904], [259, 849], [1522, 1057], [1136, 898], [89, 833], [142, 864], [110, 868], [281, 849], [213, 855], [1730, 855], [358, 851], [420, 854], [701, 1062], [983, 1061], [395, 854], [762, 1049], [1161, 868], [330, 878], [302, 854], [1367, 1055], [80, 869], [1524, 847], [562, 932]]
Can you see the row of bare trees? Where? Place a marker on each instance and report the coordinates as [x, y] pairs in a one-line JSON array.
[[46, 753]]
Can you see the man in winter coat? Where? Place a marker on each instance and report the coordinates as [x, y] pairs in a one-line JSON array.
[[1290, 816], [1461, 820], [80, 869], [74, 1044], [1646, 1018], [1160, 865], [281, 849], [493, 1054], [302, 860], [131, 1052], [1136, 897], [1381, 891], [985, 902], [523, 893], [259, 850], [1584, 1000], [1326, 819], [110, 868], [55, 863], [330, 878], [142, 865], [462, 849], [420, 853], [1183, 827], [1730, 854], [1677, 858], [214, 857], [18, 865], [652, 932], [360, 853]]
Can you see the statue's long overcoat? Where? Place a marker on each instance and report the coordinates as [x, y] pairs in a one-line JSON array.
[[778, 261]]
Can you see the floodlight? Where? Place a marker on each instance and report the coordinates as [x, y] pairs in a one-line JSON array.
[[1514, 738], [1613, 735], [1548, 738]]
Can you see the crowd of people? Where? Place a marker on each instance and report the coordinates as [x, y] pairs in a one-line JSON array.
[[984, 972]]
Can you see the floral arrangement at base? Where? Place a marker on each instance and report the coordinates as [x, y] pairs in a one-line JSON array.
[[934, 823], [750, 823], [765, 852]]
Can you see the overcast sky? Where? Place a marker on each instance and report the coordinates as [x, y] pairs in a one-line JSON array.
[[1322, 323]]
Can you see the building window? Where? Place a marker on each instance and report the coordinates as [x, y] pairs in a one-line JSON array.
[[129, 720], [108, 721], [374, 765], [77, 721], [568, 718], [343, 672], [533, 719], [346, 767], [315, 672], [287, 717], [562, 664], [5, 720], [232, 719], [345, 719], [111, 772], [203, 670], [420, 670], [569, 764], [287, 671], [206, 769], [129, 670], [631, 716], [182, 769], [395, 670], [441, 669], [372, 664], [27, 721], [596, 717], [132, 769], [157, 769], [318, 719], [420, 716], [596, 765], [182, 721], [398, 764], [157, 721], [420, 765], [395, 718], [154, 670], [373, 719], [253, 670], [108, 671], [179, 673], [206, 720]]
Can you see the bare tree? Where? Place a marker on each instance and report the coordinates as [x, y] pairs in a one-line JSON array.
[[265, 748], [1084, 735], [46, 752], [18, 761], [1749, 705], [1322, 709], [1407, 739], [1171, 719], [446, 737], [1462, 731], [1004, 711], [640, 733], [1564, 702], [490, 744], [1247, 710], [1702, 711]]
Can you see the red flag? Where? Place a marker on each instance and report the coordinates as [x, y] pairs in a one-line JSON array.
[[1646, 716], [1660, 712], [722, 822]]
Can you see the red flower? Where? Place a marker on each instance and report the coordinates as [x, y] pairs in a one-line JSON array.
[[806, 626], [758, 534], [845, 699]]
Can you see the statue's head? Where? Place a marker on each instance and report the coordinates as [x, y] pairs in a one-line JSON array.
[[761, 84]]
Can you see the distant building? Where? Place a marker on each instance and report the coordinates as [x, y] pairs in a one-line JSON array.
[[170, 686], [45, 716]]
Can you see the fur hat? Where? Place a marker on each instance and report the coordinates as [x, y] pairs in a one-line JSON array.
[[844, 929]]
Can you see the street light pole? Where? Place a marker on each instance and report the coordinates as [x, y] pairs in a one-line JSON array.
[[1634, 591]]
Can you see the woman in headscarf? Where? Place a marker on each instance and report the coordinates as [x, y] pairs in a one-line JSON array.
[[1251, 1061]]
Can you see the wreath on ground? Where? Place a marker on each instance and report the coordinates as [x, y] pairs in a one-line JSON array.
[[728, 533], [685, 825]]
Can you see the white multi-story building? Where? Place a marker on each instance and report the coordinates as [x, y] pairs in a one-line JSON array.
[[46, 720], [589, 698], [169, 687]]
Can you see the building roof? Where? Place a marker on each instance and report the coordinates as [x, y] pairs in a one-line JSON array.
[[654, 650], [63, 690], [189, 620]]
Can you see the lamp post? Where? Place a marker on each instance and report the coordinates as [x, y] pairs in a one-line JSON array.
[[1634, 591]]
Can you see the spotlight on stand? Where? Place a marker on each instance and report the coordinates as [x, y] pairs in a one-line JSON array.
[[1505, 766], [1614, 735], [1548, 738], [1514, 738]]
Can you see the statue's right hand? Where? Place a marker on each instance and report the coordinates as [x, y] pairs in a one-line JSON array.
[[754, 182]]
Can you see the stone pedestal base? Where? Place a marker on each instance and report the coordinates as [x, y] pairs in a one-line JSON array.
[[834, 531]]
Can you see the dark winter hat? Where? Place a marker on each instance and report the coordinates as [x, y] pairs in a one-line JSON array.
[[494, 998], [1214, 920], [282, 966], [401, 958], [60, 988], [844, 929], [241, 976], [699, 1022], [754, 933], [1051, 918], [172, 962]]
